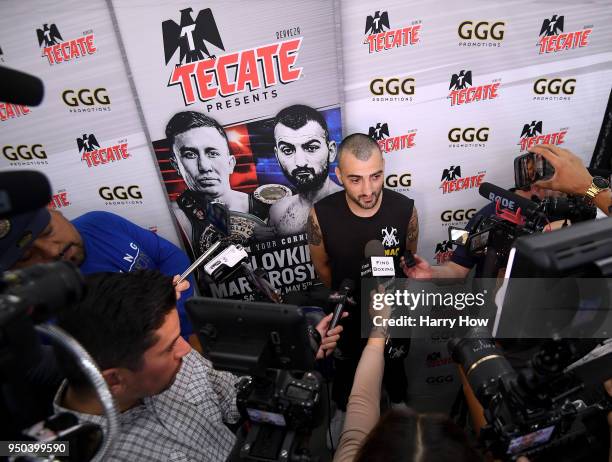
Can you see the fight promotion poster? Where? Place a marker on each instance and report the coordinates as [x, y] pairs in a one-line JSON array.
[[242, 105], [86, 135]]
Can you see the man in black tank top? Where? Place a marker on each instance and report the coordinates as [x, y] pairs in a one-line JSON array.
[[339, 227]]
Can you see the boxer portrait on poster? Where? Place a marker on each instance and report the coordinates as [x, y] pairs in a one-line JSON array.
[[201, 154]]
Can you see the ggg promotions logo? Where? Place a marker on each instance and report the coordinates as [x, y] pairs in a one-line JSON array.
[[92, 100], [393, 89], [470, 137], [553, 40], [25, 155], [388, 143], [439, 380], [380, 38], [443, 252], [458, 217], [399, 181], [532, 135], [462, 91], [452, 181], [12, 111], [556, 89], [203, 76], [58, 51], [481, 33], [94, 155], [59, 200], [121, 195]]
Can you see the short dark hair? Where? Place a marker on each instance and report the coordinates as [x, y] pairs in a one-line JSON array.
[[359, 145], [186, 120], [298, 115], [117, 318], [410, 437]]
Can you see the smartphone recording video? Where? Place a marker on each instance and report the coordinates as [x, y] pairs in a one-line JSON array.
[[530, 168]]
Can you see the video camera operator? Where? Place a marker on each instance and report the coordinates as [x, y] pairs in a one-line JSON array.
[[173, 404], [462, 262], [557, 211]]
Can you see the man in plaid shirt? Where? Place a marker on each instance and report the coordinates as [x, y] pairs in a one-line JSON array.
[[173, 404]]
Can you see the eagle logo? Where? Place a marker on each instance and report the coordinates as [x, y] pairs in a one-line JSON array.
[[379, 132], [377, 23], [49, 35], [461, 80], [87, 143], [531, 129], [190, 36], [451, 173], [552, 26]]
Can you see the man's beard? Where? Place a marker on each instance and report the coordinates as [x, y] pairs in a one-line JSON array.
[[310, 180], [363, 205]]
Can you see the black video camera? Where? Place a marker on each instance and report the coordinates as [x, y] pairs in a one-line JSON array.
[[572, 208], [31, 296], [274, 345], [494, 236], [551, 410], [290, 400]]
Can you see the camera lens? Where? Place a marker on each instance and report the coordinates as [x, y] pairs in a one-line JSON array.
[[46, 288], [482, 363]]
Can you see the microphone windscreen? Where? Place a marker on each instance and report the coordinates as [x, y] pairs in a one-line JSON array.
[[508, 199], [374, 248], [23, 191], [20, 88]]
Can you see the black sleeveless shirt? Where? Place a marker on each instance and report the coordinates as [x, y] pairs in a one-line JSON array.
[[345, 235]]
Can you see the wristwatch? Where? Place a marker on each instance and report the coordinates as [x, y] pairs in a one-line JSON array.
[[598, 185]]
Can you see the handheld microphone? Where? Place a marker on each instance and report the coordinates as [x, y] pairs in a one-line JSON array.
[[13, 201], [347, 286], [374, 252], [507, 199], [377, 264], [218, 215], [226, 262]]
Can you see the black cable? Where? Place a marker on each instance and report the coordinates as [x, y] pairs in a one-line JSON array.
[[331, 439], [327, 375]]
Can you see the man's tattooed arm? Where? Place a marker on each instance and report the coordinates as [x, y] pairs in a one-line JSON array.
[[318, 254], [412, 235], [313, 231]]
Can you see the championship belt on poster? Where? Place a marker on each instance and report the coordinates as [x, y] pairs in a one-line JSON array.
[[270, 193]]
